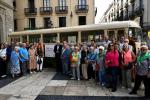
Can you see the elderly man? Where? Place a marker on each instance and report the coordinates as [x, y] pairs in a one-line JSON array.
[[58, 50], [24, 57]]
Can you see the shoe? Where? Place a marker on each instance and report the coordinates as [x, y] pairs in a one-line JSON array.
[[129, 89], [123, 87], [132, 92], [78, 79], [3, 76], [30, 72], [113, 90], [72, 78], [34, 71]]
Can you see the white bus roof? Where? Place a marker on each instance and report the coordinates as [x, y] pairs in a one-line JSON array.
[[92, 27]]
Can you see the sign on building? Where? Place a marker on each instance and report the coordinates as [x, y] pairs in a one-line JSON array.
[[49, 50]]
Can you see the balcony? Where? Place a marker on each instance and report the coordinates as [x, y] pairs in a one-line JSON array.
[[131, 14], [132, 1], [61, 9], [46, 10], [82, 8], [30, 11], [139, 11]]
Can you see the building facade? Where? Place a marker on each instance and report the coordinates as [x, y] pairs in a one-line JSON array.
[[6, 19], [42, 14], [137, 10]]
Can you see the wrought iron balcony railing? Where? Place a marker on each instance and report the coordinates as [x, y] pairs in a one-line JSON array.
[[30, 11], [46, 10], [82, 8], [61, 9]]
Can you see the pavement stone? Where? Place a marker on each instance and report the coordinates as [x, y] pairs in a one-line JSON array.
[[76, 91], [53, 90], [57, 83]]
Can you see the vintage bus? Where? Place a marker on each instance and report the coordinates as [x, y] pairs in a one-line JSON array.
[[84, 33]]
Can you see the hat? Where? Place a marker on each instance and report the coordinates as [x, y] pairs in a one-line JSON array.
[[101, 47], [144, 47]]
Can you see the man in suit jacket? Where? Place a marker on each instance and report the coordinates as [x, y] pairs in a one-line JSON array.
[[58, 50]]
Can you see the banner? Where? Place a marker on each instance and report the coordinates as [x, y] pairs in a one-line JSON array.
[[49, 50]]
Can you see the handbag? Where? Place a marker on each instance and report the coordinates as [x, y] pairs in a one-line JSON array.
[[39, 61]]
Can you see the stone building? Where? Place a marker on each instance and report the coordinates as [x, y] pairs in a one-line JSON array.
[[137, 10], [6, 19], [41, 14]]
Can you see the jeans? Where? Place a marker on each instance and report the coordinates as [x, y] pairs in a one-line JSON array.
[[76, 71], [24, 67], [113, 72], [101, 75], [64, 67]]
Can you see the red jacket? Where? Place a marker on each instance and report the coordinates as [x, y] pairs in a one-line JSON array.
[[112, 59]]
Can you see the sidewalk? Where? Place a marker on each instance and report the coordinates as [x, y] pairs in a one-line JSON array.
[[41, 84]]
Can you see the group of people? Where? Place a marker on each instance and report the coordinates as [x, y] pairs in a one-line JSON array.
[[109, 63], [19, 59]]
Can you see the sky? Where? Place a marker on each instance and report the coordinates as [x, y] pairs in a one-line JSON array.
[[102, 6]]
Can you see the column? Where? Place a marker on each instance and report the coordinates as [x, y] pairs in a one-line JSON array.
[[116, 34], [58, 37], [42, 38], [79, 37], [21, 39], [126, 32], [105, 33], [27, 38]]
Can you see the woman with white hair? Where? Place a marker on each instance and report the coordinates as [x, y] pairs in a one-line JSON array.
[[128, 57], [143, 71], [15, 64]]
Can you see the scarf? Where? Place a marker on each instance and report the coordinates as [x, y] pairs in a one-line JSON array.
[[144, 57]]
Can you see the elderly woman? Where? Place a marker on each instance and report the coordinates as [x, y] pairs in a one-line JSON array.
[[128, 57], [15, 64], [143, 71], [75, 63]]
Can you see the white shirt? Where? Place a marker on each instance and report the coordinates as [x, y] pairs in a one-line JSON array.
[[3, 52]]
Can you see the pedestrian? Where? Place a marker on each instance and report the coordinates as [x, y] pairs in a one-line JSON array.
[[40, 55], [128, 58], [65, 59], [32, 59], [3, 58], [15, 62], [101, 64], [75, 63], [112, 65], [24, 57], [143, 71], [84, 62], [57, 51]]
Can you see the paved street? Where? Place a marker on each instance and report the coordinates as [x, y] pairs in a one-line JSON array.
[[29, 87]]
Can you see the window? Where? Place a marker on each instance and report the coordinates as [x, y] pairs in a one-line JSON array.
[[82, 20], [62, 21], [81, 2], [62, 4], [46, 3], [31, 4], [32, 23], [47, 22], [15, 24]]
